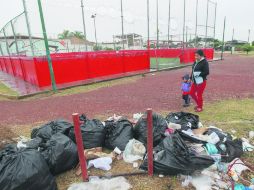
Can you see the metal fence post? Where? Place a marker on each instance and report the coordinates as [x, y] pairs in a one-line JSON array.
[[52, 76], [14, 34]]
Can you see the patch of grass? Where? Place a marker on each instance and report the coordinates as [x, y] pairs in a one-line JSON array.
[[6, 90], [87, 88], [164, 63]]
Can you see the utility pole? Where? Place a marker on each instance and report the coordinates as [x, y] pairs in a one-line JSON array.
[[196, 28], [214, 26], [169, 13], [122, 23], [207, 10], [84, 23], [28, 27], [148, 25], [249, 36], [184, 7], [186, 36], [223, 39], [232, 41], [157, 22], [95, 32], [52, 76]]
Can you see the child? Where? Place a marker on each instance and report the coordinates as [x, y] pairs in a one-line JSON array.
[[186, 84]]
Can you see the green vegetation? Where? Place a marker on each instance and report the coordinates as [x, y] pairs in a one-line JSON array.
[[7, 91], [67, 34], [164, 63]]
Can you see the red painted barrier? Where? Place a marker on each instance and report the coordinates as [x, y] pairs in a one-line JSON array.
[[79, 66]]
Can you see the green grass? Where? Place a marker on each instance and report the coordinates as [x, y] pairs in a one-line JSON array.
[[164, 63], [6, 90]]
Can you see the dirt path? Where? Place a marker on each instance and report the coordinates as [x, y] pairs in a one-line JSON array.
[[231, 78]]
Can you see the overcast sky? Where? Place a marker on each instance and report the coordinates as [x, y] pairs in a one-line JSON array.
[[66, 14]]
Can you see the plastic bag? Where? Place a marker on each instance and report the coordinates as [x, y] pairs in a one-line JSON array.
[[172, 157], [24, 169], [134, 151], [118, 183], [186, 120], [60, 152], [46, 131], [93, 133], [118, 133], [159, 127]]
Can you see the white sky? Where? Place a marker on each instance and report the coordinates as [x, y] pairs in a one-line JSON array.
[[66, 14]]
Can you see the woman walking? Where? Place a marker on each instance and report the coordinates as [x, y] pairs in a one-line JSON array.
[[200, 71]]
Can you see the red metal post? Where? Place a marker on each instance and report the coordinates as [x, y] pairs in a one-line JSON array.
[[150, 141], [79, 141]]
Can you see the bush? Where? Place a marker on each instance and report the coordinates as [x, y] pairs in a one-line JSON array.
[[247, 48]]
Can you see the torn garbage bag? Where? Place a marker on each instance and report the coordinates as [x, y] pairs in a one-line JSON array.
[[118, 133], [60, 152], [172, 157], [24, 169], [159, 127], [46, 131], [101, 163], [93, 132], [232, 149], [186, 120]]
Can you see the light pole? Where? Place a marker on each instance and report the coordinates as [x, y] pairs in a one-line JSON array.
[[169, 7], [207, 11], [95, 33], [28, 27], [184, 6], [148, 26], [223, 39], [232, 41], [214, 26], [249, 36], [84, 23], [157, 18], [122, 23], [196, 28]]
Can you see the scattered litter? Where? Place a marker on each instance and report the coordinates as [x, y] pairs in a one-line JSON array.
[[134, 151], [94, 153], [213, 138], [135, 165], [169, 131], [233, 131], [161, 175], [119, 183], [101, 163], [251, 134], [237, 166], [117, 151], [136, 117], [174, 126]]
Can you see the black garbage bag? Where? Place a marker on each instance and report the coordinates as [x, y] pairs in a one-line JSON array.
[[60, 153], [192, 139], [34, 143], [93, 132], [159, 127], [118, 133], [222, 135], [46, 131], [186, 120], [173, 157], [24, 169], [233, 149]]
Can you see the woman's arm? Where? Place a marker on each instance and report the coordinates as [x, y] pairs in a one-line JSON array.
[[205, 69]]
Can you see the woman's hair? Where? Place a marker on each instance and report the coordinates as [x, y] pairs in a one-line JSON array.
[[200, 52]]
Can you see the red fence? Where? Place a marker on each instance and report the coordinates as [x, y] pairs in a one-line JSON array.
[[78, 66], [72, 67], [186, 56]]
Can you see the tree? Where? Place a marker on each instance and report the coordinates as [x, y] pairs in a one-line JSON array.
[[64, 35], [252, 43], [247, 48], [78, 35]]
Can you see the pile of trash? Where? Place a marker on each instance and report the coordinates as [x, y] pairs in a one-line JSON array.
[[198, 155]]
